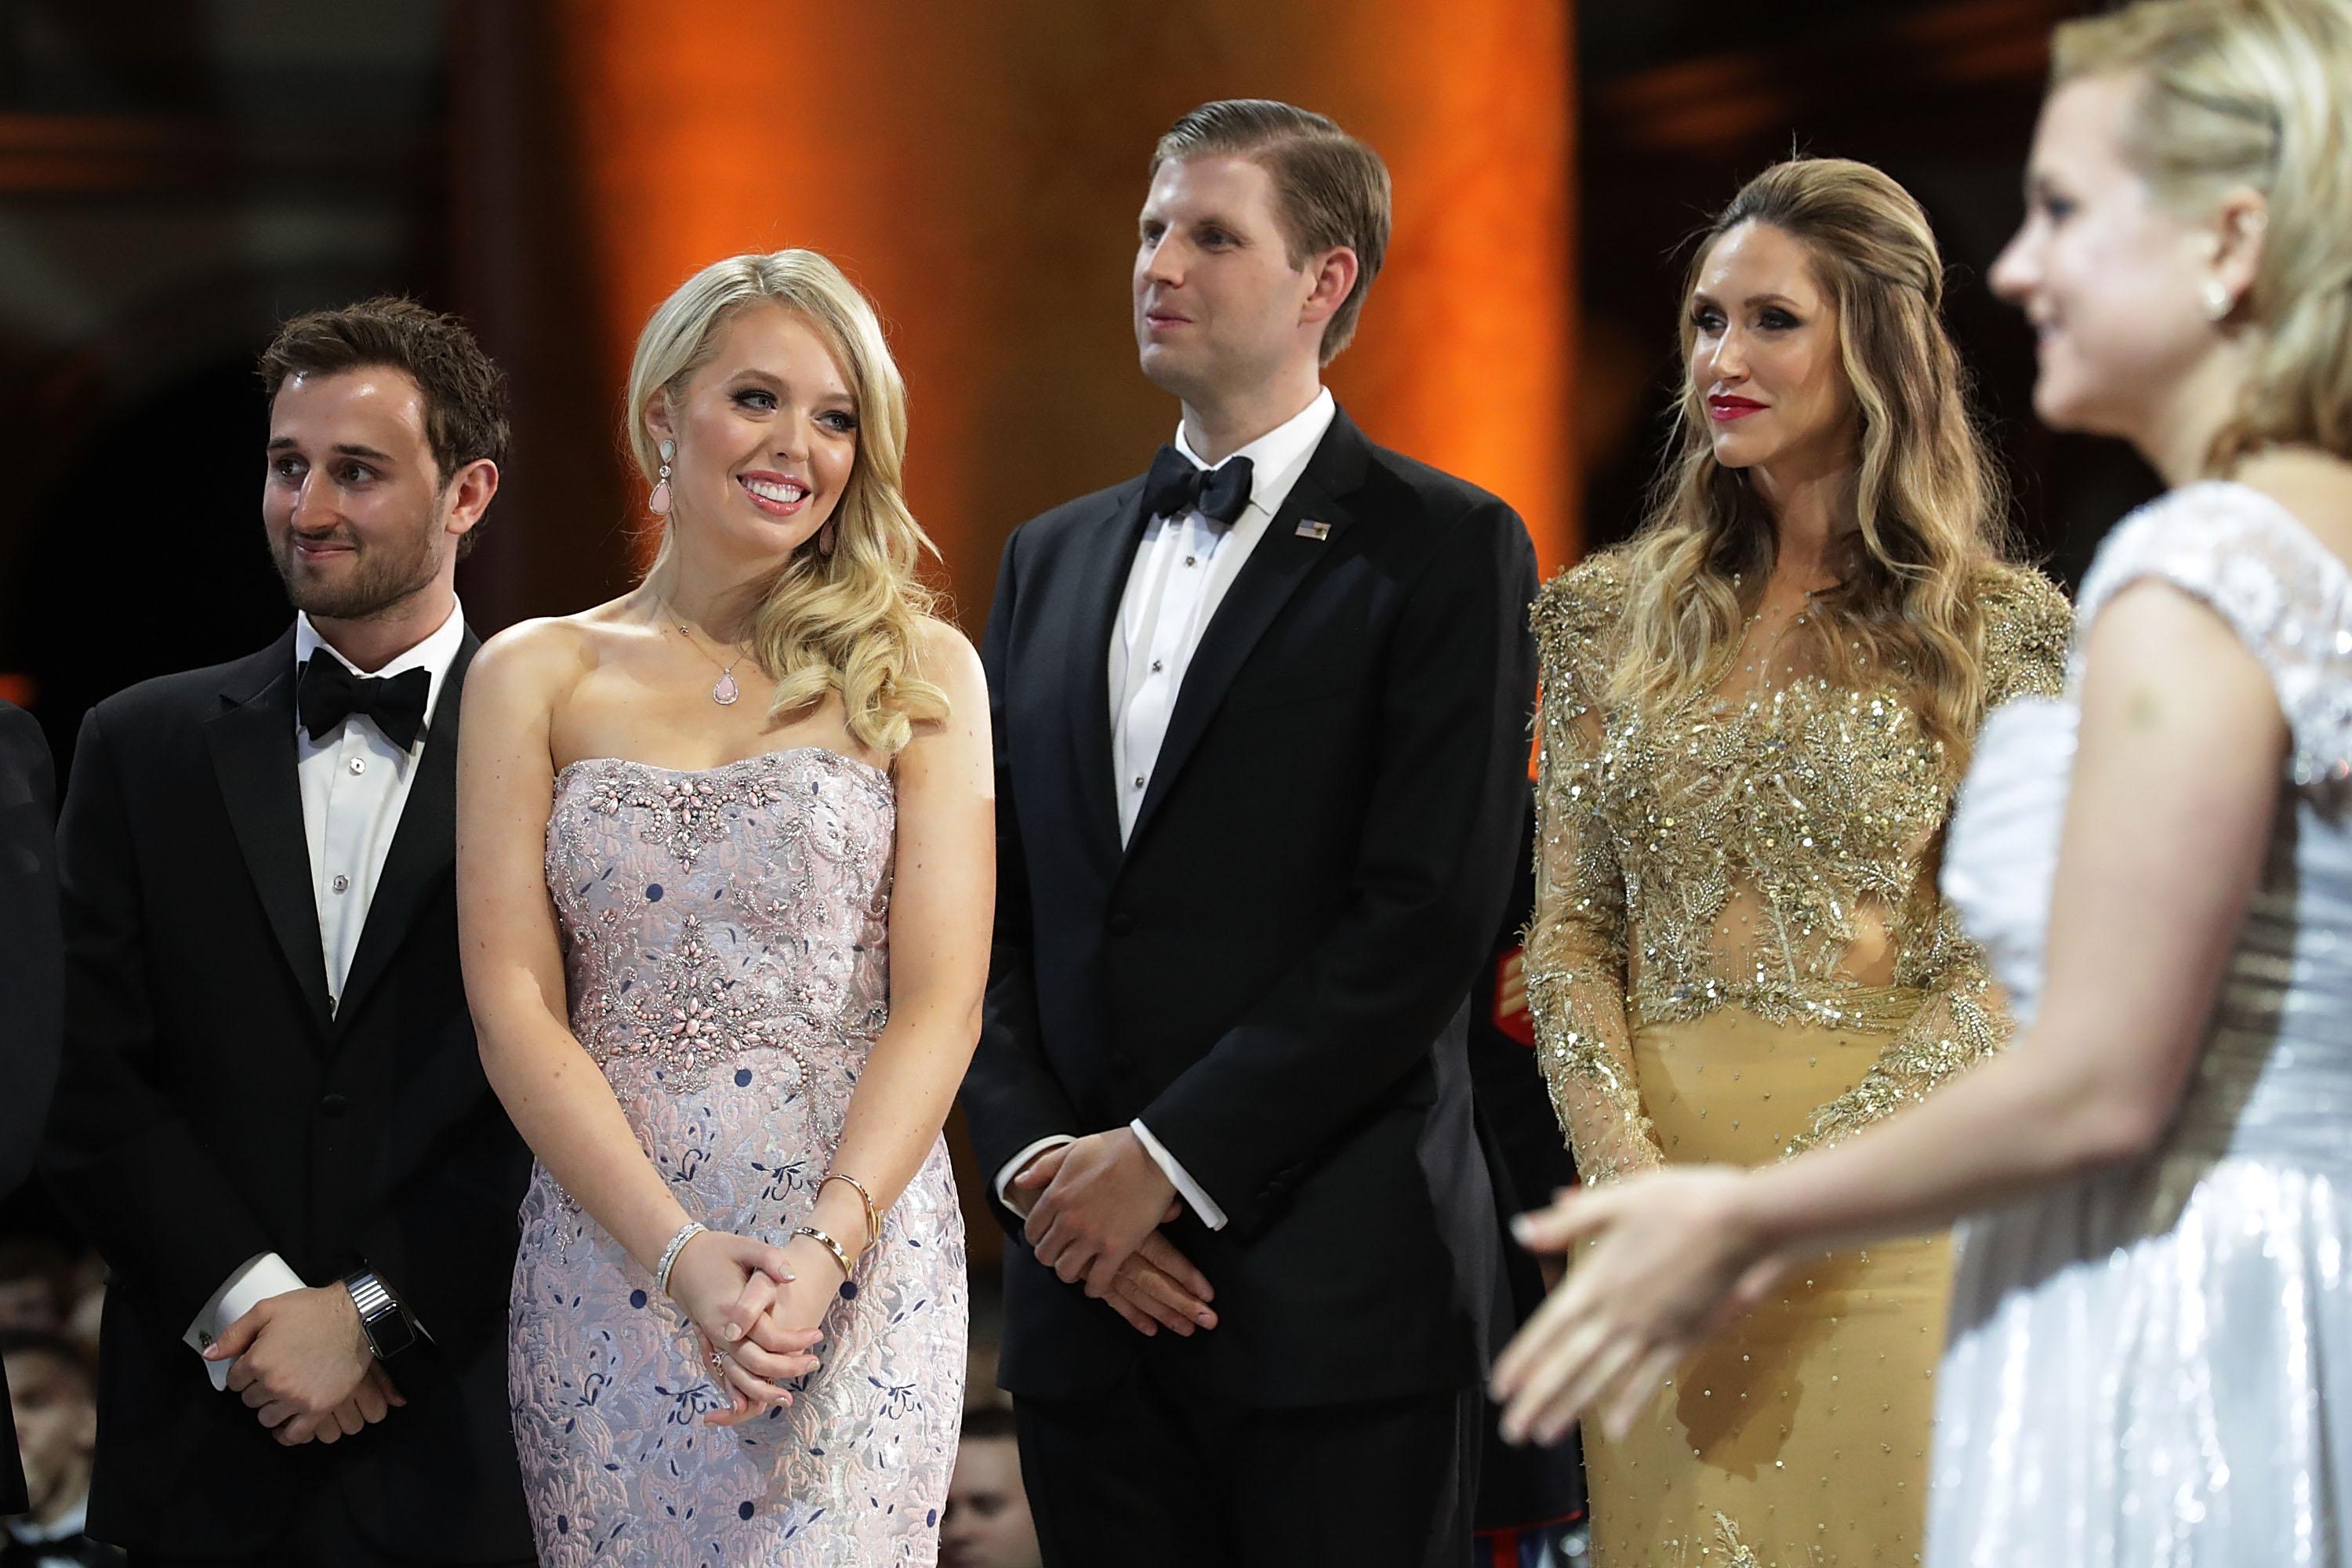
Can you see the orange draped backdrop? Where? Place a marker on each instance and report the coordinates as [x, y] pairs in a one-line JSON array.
[[977, 168]]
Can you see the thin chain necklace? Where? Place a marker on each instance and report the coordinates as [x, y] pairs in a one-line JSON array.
[[725, 692]]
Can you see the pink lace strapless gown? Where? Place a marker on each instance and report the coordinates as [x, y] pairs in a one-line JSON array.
[[727, 955]]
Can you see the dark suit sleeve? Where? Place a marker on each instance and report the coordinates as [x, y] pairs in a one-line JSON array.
[[443, 1235], [31, 967], [1358, 1011], [121, 1158], [1011, 1096]]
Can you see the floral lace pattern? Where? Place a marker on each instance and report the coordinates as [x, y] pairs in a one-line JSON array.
[[1741, 854], [2285, 594], [727, 956]]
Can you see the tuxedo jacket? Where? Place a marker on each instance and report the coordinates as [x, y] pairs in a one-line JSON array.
[[1273, 972], [212, 1108], [30, 987]]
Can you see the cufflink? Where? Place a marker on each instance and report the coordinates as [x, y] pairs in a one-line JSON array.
[[1310, 529]]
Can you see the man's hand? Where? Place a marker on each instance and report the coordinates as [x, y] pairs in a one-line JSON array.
[[369, 1404], [1158, 1287], [300, 1354], [1104, 1196]]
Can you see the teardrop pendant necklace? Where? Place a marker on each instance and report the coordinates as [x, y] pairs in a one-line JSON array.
[[725, 692]]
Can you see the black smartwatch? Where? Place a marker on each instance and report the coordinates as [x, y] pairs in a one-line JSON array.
[[388, 1327]]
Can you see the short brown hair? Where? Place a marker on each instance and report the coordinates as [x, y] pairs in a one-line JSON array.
[[1332, 190], [464, 391]]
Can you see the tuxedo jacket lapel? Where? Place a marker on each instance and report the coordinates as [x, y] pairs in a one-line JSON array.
[[424, 847], [252, 745], [1104, 560], [1273, 573]]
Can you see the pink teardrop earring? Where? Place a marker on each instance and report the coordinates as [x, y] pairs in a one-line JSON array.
[[657, 503]]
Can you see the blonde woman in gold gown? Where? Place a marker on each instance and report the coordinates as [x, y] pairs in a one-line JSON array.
[[1754, 717]]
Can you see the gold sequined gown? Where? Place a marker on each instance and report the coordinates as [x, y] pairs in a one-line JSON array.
[[1738, 952]]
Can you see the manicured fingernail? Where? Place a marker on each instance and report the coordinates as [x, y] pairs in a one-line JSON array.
[[1523, 1227], [731, 1333]]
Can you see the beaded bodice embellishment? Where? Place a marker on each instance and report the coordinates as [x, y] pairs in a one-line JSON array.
[[707, 914], [1771, 851]]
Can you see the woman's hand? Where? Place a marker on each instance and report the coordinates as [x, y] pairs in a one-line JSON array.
[[748, 1353], [812, 1285], [1672, 1257]]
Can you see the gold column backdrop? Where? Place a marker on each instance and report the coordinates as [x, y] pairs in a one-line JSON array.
[[978, 169]]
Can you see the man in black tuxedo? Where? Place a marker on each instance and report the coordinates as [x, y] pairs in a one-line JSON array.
[[272, 1120], [31, 984], [1261, 726]]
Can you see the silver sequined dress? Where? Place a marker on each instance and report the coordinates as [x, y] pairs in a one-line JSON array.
[[727, 960], [2149, 1368]]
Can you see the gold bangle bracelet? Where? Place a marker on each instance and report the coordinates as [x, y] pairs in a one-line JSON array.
[[830, 1245], [873, 1219]]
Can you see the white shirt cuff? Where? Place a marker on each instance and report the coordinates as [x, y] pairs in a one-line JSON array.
[[1012, 1168], [1196, 1197], [256, 1280]]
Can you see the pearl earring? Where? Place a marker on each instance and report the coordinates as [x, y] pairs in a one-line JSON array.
[[657, 503], [2218, 301]]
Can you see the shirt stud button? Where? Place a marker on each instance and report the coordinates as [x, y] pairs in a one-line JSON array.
[[1138, 781], [1158, 664], [342, 884], [359, 764], [1188, 560]]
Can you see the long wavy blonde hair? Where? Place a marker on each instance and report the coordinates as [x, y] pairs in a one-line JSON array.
[[2255, 93], [1927, 497], [841, 623]]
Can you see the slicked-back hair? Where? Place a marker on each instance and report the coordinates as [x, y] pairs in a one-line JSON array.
[[465, 394], [1329, 189]]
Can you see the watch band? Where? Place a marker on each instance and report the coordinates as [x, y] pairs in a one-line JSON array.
[[388, 1328]]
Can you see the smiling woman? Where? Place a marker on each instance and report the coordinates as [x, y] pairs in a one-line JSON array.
[[726, 960]]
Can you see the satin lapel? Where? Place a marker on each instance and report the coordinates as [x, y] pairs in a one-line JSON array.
[[1105, 557], [1281, 562], [424, 847], [253, 757]]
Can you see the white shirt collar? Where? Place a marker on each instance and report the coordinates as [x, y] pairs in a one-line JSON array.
[[434, 656], [1278, 456]]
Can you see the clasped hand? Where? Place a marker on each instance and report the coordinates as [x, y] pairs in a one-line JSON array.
[[1094, 1209], [303, 1363], [758, 1313]]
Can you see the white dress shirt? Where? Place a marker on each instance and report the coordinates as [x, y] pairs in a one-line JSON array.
[[1180, 575], [355, 785]]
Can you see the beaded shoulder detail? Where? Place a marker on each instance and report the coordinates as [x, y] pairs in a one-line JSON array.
[[2286, 596]]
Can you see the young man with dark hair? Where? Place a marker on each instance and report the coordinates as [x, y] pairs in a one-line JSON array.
[[272, 1118], [1261, 726]]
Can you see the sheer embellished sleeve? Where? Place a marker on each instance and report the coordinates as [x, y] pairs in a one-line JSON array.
[[2028, 624], [1576, 962]]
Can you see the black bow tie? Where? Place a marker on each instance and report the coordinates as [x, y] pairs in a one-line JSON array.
[[328, 693], [1176, 485]]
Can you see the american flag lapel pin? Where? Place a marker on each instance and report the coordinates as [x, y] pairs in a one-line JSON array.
[[1319, 531]]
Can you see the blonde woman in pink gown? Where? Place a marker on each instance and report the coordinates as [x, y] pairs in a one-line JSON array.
[[725, 873]]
